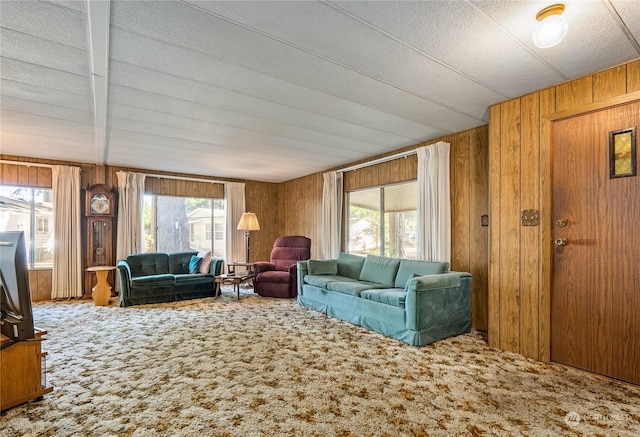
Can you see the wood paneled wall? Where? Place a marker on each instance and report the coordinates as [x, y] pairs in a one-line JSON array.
[[301, 201], [520, 179], [300, 207]]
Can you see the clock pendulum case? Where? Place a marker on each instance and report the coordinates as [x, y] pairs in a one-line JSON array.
[[99, 211]]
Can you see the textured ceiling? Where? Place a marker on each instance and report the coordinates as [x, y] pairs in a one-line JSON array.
[[272, 91]]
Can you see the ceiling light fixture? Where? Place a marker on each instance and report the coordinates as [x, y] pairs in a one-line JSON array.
[[551, 27]]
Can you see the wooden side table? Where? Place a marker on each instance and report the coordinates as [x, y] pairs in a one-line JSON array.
[[102, 291], [235, 278], [232, 268]]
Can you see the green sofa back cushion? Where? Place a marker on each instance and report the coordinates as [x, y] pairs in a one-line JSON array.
[[409, 266], [318, 267], [350, 265], [145, 264], [380, 269]]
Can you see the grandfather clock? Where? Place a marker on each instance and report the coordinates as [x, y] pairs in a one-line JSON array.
[[99, 211]]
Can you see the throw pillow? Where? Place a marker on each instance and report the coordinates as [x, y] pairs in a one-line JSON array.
[[206, 261], [194, 263], [318, 267], [413, 275]]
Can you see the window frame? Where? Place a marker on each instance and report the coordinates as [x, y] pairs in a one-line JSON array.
[[151, 199], [381, 249], [35, 234]]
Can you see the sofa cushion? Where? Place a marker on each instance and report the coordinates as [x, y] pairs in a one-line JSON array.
[[278, 276], [350, 265], [389, 296], [318, 267], [152, 281], [380, 269], [409, 266], [323, 280], [353, 288], [196, 278], [179, 262], [144, 264]]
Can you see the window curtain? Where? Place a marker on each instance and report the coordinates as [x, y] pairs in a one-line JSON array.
[[130, 232], [434, 203], [331, 214], [67, 253], [235, 249]]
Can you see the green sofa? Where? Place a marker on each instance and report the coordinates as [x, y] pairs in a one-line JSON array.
[[164, 277], [417, 302]]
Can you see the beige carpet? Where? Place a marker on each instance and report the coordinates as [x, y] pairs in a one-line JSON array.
[[267, 367]]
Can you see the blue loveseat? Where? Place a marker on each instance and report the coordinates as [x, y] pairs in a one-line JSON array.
[[164, 277], [417, 302]]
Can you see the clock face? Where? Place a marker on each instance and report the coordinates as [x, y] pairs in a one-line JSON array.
[[100, 204]]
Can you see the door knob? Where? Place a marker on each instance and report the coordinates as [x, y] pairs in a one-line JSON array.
[[561, 242]]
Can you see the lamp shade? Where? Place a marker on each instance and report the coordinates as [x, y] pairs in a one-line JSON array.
[[249, 222]]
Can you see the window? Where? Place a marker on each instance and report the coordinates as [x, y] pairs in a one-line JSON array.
[[29, 210], [43, 225], [382, 221], [179, 224]]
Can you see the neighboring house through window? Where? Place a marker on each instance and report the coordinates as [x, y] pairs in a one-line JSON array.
[[29, 210]]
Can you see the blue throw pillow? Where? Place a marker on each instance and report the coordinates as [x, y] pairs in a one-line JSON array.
[[194, 263]]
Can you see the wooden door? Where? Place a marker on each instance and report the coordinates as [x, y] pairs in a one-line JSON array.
[[595, 303]]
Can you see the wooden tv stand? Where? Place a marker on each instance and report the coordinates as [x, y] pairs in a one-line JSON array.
[[21, 371]]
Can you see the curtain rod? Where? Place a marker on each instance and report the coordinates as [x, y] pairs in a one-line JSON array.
[[182, 178], [378, 161], [28, 164]]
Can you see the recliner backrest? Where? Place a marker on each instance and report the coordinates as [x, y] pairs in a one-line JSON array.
[[289, 250]]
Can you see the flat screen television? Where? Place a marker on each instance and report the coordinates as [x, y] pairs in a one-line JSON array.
[[16, 314]]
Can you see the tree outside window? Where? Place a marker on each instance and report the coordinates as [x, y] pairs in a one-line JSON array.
[[178, 224]]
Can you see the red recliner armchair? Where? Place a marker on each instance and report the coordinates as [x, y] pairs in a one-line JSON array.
[[279, 278]]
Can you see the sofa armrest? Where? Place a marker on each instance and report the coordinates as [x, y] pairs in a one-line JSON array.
[[262, 266], [124, 273], [215, 268], [303, 270], [435, 300]]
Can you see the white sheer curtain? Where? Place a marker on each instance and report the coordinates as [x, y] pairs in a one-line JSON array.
[[130, 233], [434, 203], [67, 253], [331, 214], [235, 244]]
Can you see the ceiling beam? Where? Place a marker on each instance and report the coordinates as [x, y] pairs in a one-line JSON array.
[[99, 15]]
